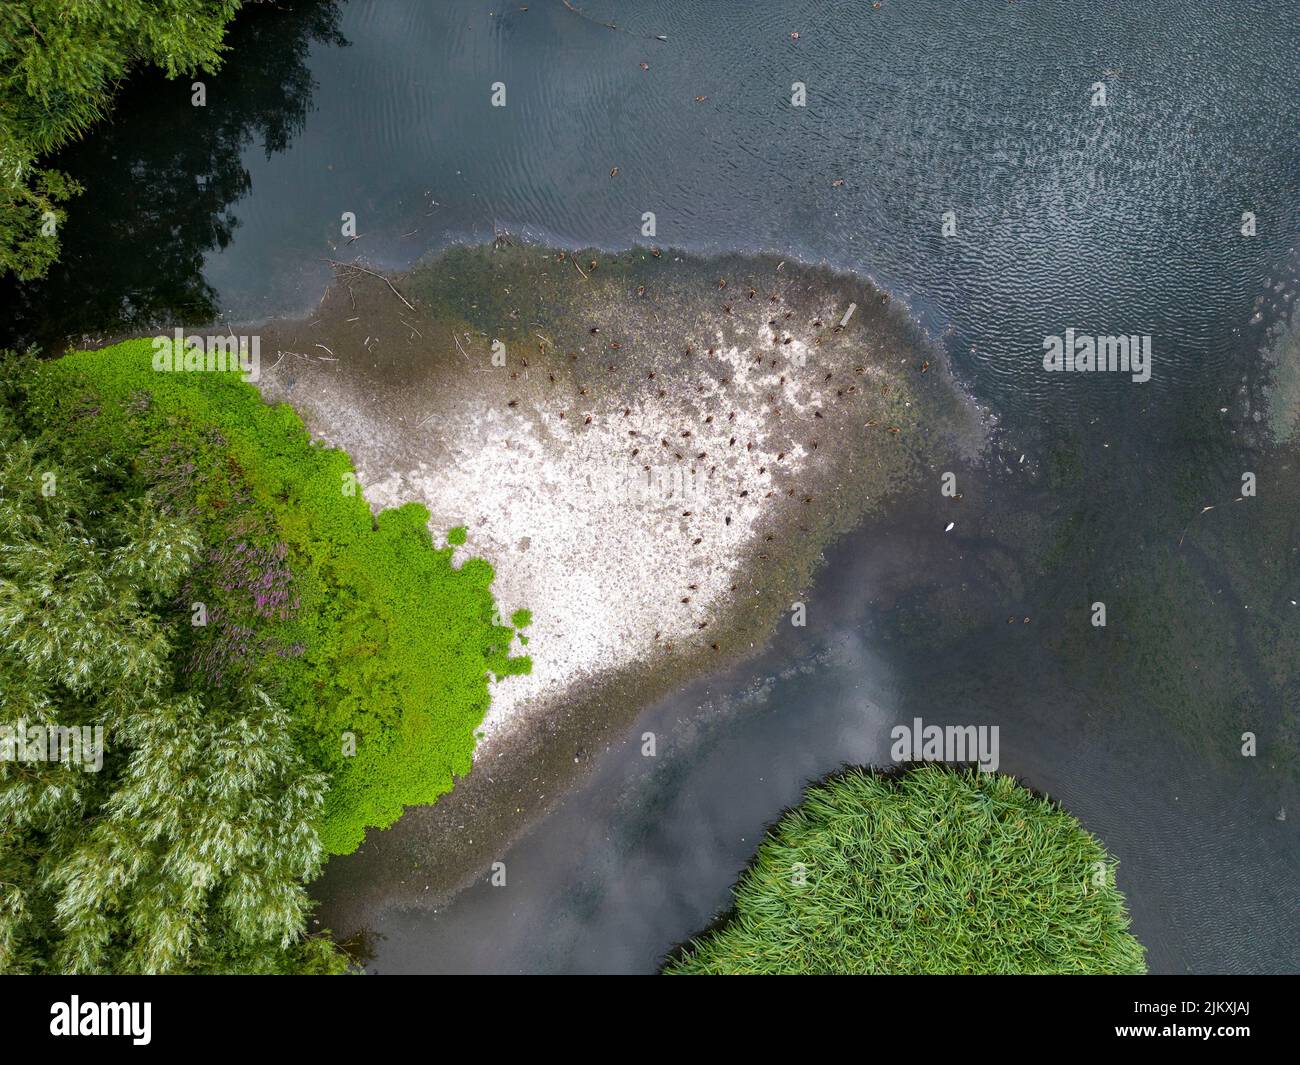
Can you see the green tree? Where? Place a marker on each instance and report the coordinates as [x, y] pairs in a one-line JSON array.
[[210, 826], [383, 651], [167, 176], [188, 849], [59, 66]]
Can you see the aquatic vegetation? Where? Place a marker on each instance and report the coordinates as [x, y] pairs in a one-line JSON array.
[[381, 650], [932, 871]]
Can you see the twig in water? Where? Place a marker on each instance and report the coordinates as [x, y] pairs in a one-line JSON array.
[[354, 266]]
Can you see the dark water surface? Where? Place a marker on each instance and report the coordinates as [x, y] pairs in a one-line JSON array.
[[1115, 219]]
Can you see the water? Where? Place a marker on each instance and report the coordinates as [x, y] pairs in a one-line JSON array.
[[1122, 218], [649, 847]]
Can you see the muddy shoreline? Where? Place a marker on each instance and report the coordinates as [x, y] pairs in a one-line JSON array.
[[500, 385]]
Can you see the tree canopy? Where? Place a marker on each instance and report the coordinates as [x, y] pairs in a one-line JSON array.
[[178, 834], [59, 67]]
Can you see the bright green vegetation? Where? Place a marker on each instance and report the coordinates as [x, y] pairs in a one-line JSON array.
[[274, 669], [934, 871], [59, 65], [379, 648]]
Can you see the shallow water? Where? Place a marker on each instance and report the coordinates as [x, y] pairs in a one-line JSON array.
[[649, 847], [1113, 219]]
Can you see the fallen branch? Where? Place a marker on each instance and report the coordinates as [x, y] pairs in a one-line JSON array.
[[362, 269]]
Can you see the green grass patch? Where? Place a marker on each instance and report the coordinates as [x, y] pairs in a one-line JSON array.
[[932, 871], [383, 650]]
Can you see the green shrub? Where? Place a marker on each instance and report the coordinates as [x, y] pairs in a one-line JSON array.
[[934, 871], [386, 651]]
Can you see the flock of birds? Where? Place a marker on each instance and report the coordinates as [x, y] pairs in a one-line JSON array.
[[677, 443]]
